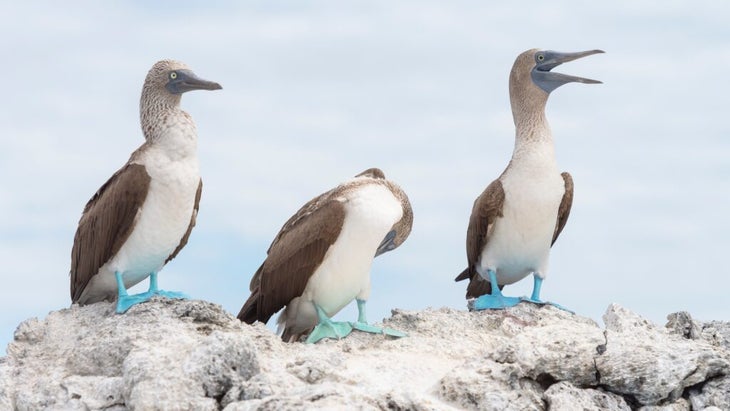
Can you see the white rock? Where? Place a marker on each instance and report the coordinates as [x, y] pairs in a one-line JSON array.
[[97, 392], [714, 393], [160, 355], [651, 364], [192, 355], [565, 396], [679, 405]]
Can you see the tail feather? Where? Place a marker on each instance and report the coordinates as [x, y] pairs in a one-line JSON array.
[[291, 334], [249, 312], [478, 286], [466, 274]]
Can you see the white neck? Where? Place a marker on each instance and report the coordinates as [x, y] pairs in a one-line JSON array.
[[534, 140]]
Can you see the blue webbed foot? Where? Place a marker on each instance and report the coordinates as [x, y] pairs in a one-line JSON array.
[[329, 329], [125, 302], [154, 290], [326, 328], [362, 323], [493, 302], [540, 302], [365, 327], [535, 298]]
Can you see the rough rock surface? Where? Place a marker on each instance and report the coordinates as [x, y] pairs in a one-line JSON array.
[[192, 355]]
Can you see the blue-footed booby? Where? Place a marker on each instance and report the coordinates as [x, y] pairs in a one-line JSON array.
[[143, 215], [518, 217], [320, 260]]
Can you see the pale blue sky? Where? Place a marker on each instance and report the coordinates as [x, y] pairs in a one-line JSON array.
[[315, 92]]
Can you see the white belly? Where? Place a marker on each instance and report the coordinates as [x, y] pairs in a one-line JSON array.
[[520, 242], [345, 272], [161, 223]]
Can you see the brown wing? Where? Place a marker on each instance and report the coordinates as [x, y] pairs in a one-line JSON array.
[[295, 254], [184, 239], [487, 208], [315, 204], [106, 224], [308, 208], [565, 204]]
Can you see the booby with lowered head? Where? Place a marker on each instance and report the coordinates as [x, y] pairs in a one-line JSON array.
[[143, 215], [518, 217], [320, 260]]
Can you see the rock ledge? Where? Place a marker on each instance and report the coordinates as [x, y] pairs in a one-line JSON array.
[[193, 355]]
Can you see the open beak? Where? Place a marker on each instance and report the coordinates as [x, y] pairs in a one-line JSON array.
[[548, 80]]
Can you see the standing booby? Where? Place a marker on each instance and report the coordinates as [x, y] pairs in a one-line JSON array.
[[143, 215], [518, 217], [320, 260]]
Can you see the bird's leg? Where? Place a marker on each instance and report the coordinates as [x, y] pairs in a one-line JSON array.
[[495, 300], [153, 284], [121, 289], [535, 298], [154, 290], [361, 317], [536, 286], [362, 323], [124, 300], [326, 328]]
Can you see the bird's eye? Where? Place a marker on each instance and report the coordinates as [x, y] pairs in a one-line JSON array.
[[540, 57], [173, 75]]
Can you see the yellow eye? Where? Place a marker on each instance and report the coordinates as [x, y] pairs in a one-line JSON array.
[[540, 57], [173, 75]]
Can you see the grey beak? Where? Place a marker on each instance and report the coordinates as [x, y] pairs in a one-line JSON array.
[[549, 81], [187, 81], [387, 244]]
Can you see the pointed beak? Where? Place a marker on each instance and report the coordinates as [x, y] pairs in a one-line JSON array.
[[549, 81], [187, 81], [387, 244]]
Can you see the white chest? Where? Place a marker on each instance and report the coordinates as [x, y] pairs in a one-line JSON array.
[[520, 242], [163, 219], [344, 274]]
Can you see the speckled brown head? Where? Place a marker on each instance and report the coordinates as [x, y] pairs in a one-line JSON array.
[[531, 79], [172, 78], [165, 83]]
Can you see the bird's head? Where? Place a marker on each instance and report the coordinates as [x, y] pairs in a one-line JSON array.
[[532, 80], [163, 87], [534, 68], [172, 78]]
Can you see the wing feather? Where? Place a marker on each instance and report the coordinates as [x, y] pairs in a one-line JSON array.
[[565, 205], [487, 208], [106, 224], [193, 218], [297, 251]]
